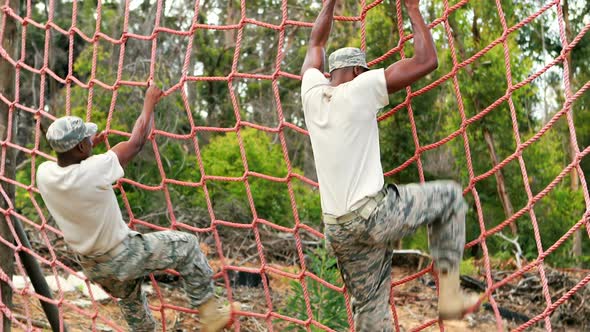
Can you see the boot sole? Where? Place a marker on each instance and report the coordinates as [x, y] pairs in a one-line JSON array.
[[218, 326], [468, 308]]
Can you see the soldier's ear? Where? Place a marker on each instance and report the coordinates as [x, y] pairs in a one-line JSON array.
[[84, 146], [356, 71], [80, 146]]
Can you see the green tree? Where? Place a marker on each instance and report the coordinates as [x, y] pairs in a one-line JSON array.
[[222, 157]]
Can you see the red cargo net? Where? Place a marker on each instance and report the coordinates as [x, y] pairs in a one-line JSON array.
[[52, 261]]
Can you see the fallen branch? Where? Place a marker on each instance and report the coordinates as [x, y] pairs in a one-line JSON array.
[[514, 242], [410, 257], [508, 314], [34, 322]]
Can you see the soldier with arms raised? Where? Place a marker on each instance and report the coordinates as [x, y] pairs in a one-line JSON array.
[[363, 218], [77, 190]]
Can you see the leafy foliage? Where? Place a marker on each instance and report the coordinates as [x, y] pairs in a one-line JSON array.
[[222, 158], [332, 312]]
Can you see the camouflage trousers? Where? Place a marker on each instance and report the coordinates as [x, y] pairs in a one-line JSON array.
[[364, 248], [122, 275]]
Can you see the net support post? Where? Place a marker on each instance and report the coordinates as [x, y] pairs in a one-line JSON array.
[[38, 280], [9, 42]]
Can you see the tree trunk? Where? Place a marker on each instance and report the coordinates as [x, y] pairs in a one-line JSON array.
[[489, 138], [575, 184], [231, 17], [10, 44], [500, 183]]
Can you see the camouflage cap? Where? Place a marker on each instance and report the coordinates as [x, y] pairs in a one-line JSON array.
[[66, 132], [347, 57]]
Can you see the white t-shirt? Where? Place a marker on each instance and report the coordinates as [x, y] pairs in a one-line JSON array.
[[81, 199], [342, 125]]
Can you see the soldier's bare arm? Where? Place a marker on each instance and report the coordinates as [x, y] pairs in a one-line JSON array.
[[407, 71], [320, 32], [126, 151]]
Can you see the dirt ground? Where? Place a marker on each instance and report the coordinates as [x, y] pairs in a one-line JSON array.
[[415, 302]]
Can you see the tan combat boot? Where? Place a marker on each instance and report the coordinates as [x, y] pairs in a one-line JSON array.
[[214, 314], [452, 302]]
